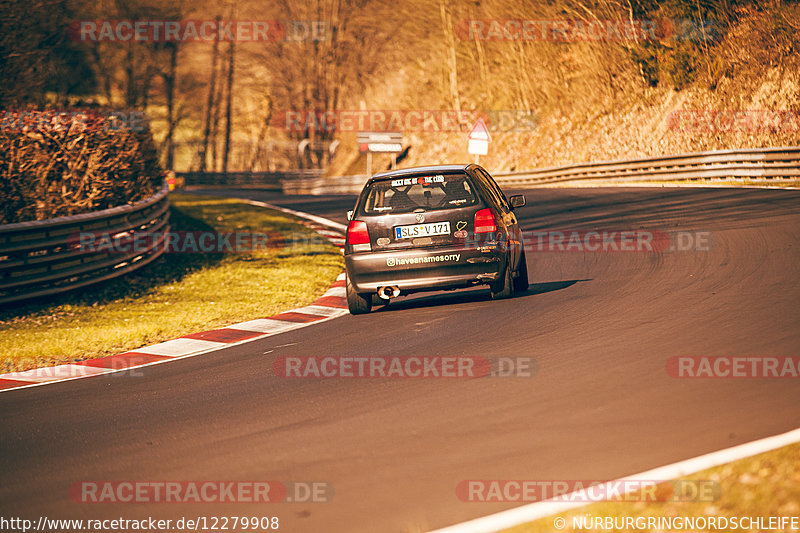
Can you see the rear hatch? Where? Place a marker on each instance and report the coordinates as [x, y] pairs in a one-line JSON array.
[[419, 211]]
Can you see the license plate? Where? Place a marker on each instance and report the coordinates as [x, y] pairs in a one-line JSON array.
[[422, 230]]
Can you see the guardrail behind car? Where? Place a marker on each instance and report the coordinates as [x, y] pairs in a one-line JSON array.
[[272, 181], [763, 164], [755, 163]]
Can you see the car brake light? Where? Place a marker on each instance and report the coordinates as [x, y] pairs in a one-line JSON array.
[[357, 232], [484, 221]]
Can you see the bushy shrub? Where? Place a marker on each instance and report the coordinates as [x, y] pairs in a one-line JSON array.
[[646, 58], [680, 66], [64, 163]]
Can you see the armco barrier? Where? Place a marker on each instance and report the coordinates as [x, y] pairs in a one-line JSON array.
[[45, 257], [263, 180], [756, 163], [326, 185], [761, 164]]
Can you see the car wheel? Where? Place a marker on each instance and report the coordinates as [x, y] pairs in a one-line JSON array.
[[521, 281], [356, 303], [503, 287]]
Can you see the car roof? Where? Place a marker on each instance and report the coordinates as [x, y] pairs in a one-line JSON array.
[[421, 170]]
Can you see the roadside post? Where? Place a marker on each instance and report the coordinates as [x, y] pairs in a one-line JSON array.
[[478, 140], [387, 142]]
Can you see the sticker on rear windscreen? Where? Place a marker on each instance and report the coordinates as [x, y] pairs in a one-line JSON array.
[[422, 230], [418, 181]]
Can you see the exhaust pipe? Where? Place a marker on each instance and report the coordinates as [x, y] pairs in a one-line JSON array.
[[388, 292]]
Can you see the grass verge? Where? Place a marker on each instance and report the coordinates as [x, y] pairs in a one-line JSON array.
[[178, 294], [763, 485]]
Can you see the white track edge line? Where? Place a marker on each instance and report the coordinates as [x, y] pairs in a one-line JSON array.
[[535, 511], [307, 216]]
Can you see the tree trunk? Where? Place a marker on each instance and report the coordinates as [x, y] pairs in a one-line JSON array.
[[452, 62], [171, 82], [210, 105], [228, 109], [130, 74]]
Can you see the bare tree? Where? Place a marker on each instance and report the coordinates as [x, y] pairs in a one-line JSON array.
[[452, 61], [170, 82], [212, 88], [228, 107]]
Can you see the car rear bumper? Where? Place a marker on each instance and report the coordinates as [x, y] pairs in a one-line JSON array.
[[424, 269]]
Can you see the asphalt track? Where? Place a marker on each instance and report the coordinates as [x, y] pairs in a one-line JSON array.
[[601, 327]]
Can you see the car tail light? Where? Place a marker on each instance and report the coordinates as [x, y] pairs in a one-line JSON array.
[[357, 232], [484, 221]]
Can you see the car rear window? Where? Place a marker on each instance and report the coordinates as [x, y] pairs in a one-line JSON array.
[[427, 192]]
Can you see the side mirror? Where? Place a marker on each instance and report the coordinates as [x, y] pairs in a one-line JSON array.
[[349, 215], [517, 200]]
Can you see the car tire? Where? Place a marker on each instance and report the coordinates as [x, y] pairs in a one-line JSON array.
[[504, 287], [356, 303], [521, 281]]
